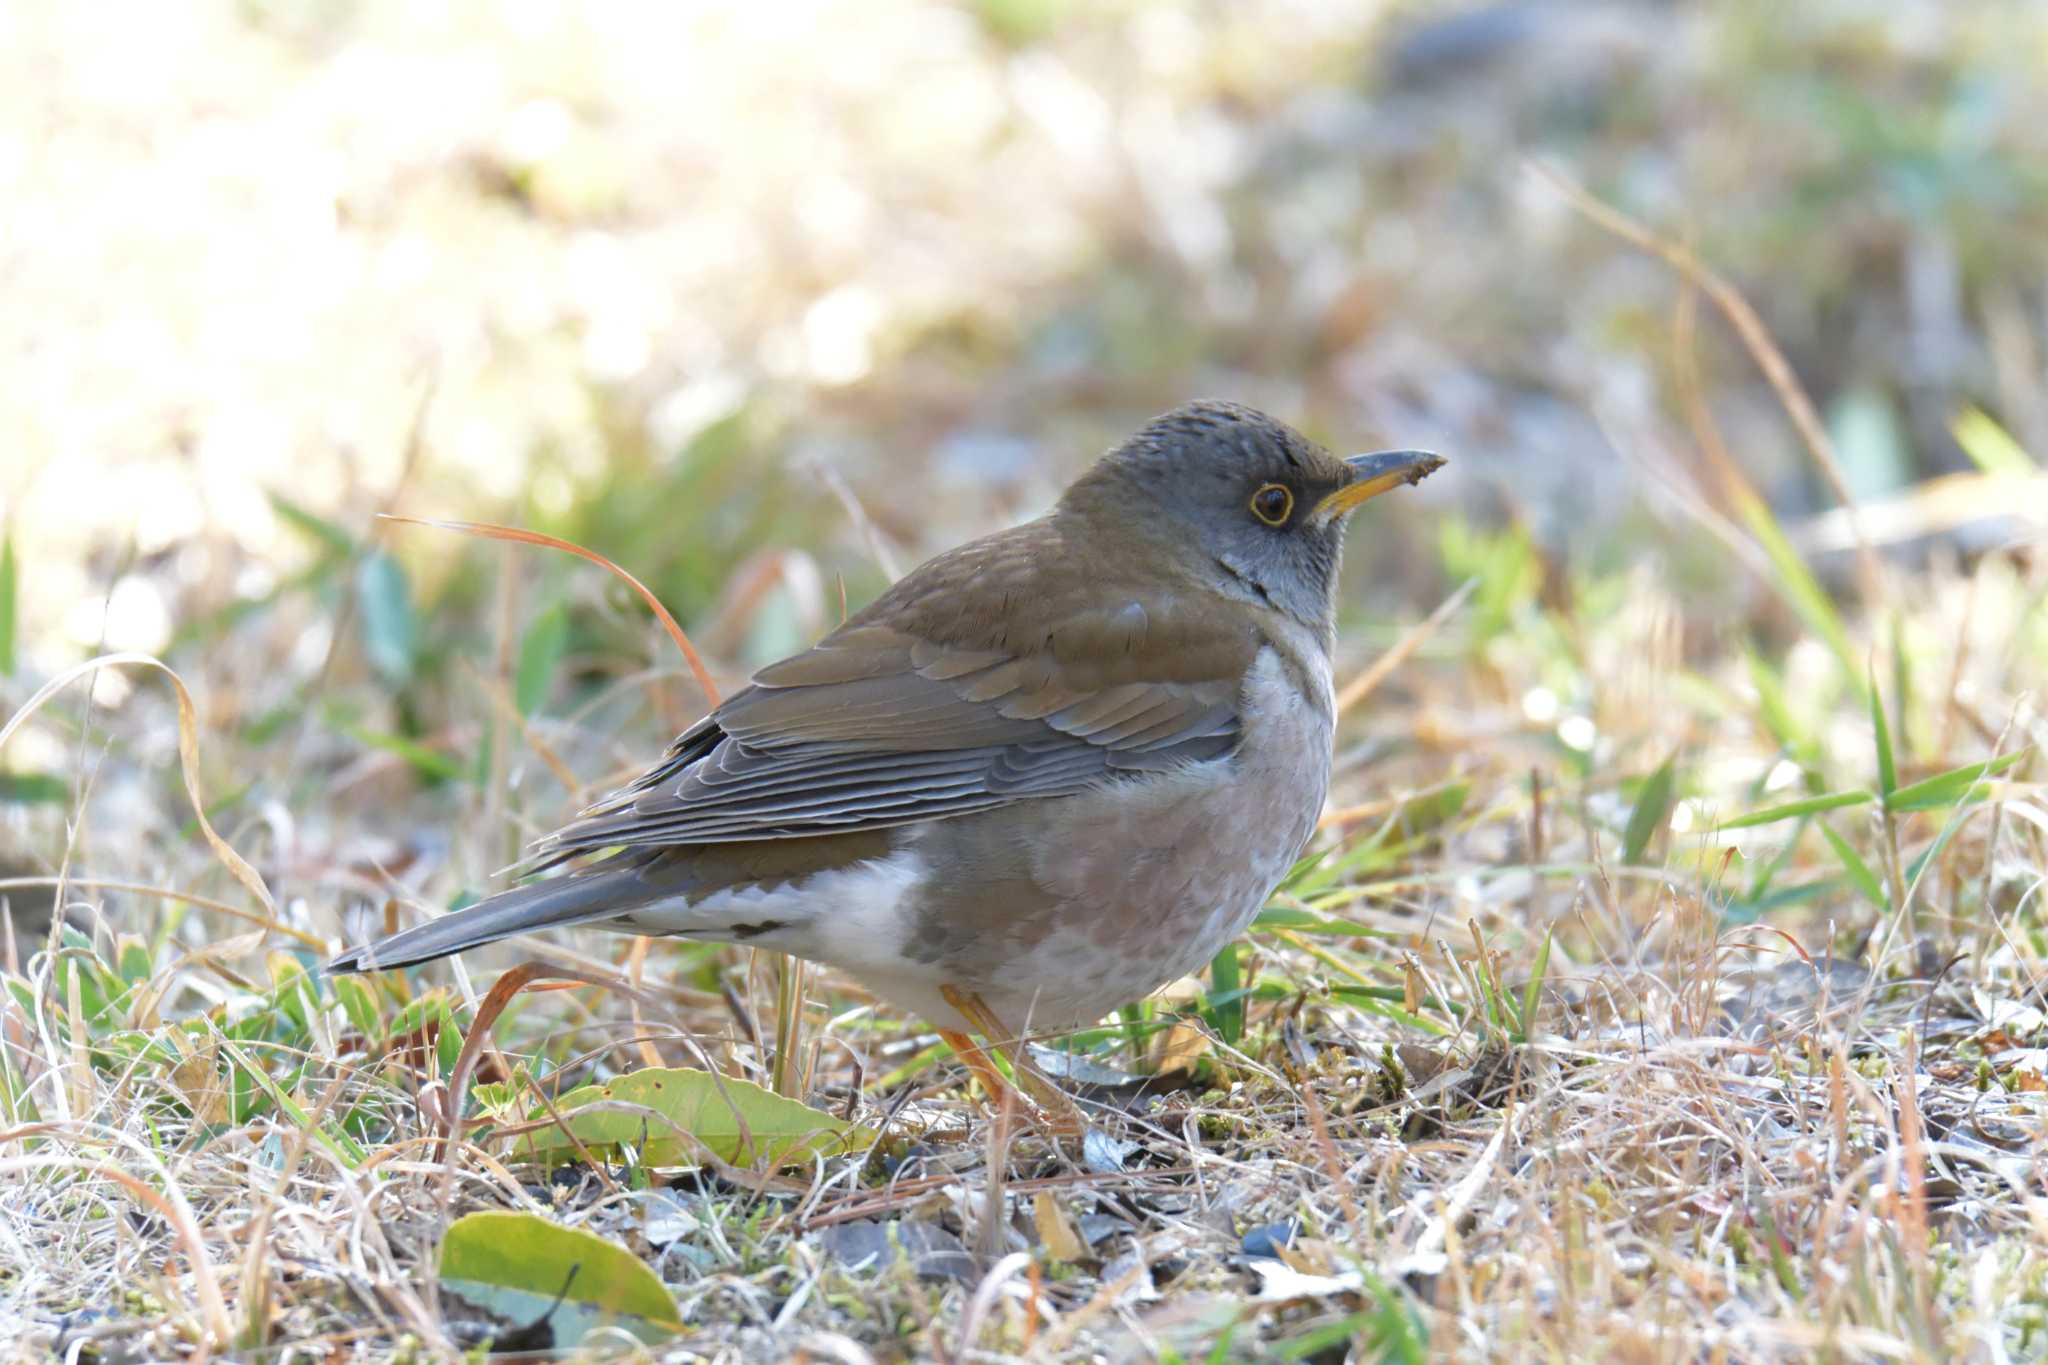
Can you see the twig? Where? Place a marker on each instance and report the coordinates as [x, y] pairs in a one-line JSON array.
[[1362, 686], [188, 757], [492, 531], [1755, 337], [984, 1298]]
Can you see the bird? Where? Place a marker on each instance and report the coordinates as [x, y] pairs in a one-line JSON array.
[[1042, 775]]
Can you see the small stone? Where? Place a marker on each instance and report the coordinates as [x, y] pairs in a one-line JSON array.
[[865, 1244], [1267, 1239], [1095, 1227], [1102, 1154], [664, 1217]]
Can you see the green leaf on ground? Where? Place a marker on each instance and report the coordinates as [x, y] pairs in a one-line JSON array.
[[671, 1116], [526, 1270]]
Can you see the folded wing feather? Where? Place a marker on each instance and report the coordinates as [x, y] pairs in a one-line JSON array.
[[879, 726]]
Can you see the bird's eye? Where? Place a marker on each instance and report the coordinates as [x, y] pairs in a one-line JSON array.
[[1272, 504]]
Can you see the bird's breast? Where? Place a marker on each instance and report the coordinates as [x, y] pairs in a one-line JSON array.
[[1287, 712], [1087, 902]]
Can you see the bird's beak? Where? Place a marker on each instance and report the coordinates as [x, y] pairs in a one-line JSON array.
[[1372, 475]]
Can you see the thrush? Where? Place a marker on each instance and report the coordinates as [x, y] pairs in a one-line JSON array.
[[1042, 775]]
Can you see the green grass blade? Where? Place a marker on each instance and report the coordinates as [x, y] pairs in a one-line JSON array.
[[1226, 993], [1367, 999], [1309, 922], [331, 537], [389, 625], [1308, 874], [540, 655], [1781, 1264], [31, 789], [1945, 789], [1928, 856], [1652, 811], [1774, 705], [343, 1148], [1796, 584], [1902, 689], [1532, 994], [1887, 766], [430, 763], [1990, 445], [9, 593], [1323, 1340], [1792, 810], [1766, 875], [1750, 909], [1398, 1333], [1134, 1018], [1859, 871], [1225, 1349]]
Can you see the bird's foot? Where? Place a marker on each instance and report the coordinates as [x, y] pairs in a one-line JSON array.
[[1048, 1108], [1051, 1109]]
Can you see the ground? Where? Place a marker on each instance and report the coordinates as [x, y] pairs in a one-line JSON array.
[[1665, 982]]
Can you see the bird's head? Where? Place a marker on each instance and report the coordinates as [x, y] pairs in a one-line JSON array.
[[1242, 501]]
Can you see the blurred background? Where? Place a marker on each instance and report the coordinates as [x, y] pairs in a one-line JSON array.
[[766, 302], [769, 301]]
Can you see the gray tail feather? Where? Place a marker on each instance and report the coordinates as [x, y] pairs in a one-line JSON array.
[[575, 898]]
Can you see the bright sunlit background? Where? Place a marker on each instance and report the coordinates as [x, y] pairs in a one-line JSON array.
[[768, 301], [947, 253]]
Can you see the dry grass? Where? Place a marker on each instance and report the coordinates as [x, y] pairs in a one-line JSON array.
[[1548, 1057], [1812, 1135]]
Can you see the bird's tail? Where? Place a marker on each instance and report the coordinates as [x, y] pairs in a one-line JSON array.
[[598, 892]]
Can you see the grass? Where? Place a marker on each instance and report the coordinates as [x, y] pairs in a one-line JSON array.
[[1593, 1028], [1665, 982]]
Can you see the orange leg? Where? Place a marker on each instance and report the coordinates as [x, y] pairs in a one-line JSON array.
[[1055, 1111], [1000, 1092]]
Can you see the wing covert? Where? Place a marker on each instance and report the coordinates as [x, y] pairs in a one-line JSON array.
[[884, 724]]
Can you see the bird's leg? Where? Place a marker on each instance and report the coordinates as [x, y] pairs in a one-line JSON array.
[[1055, 1110], [1000, 1092]]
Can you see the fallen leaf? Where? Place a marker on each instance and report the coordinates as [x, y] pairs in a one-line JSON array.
[[1179, 1049], [198, 1079], [672, 1116], [553, 1284], [1103, 1154], [1055, 1230]]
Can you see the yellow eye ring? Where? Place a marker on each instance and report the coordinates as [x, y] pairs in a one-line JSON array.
[[1273, 503]]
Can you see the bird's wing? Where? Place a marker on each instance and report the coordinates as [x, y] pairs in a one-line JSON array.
[[914, 712]]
